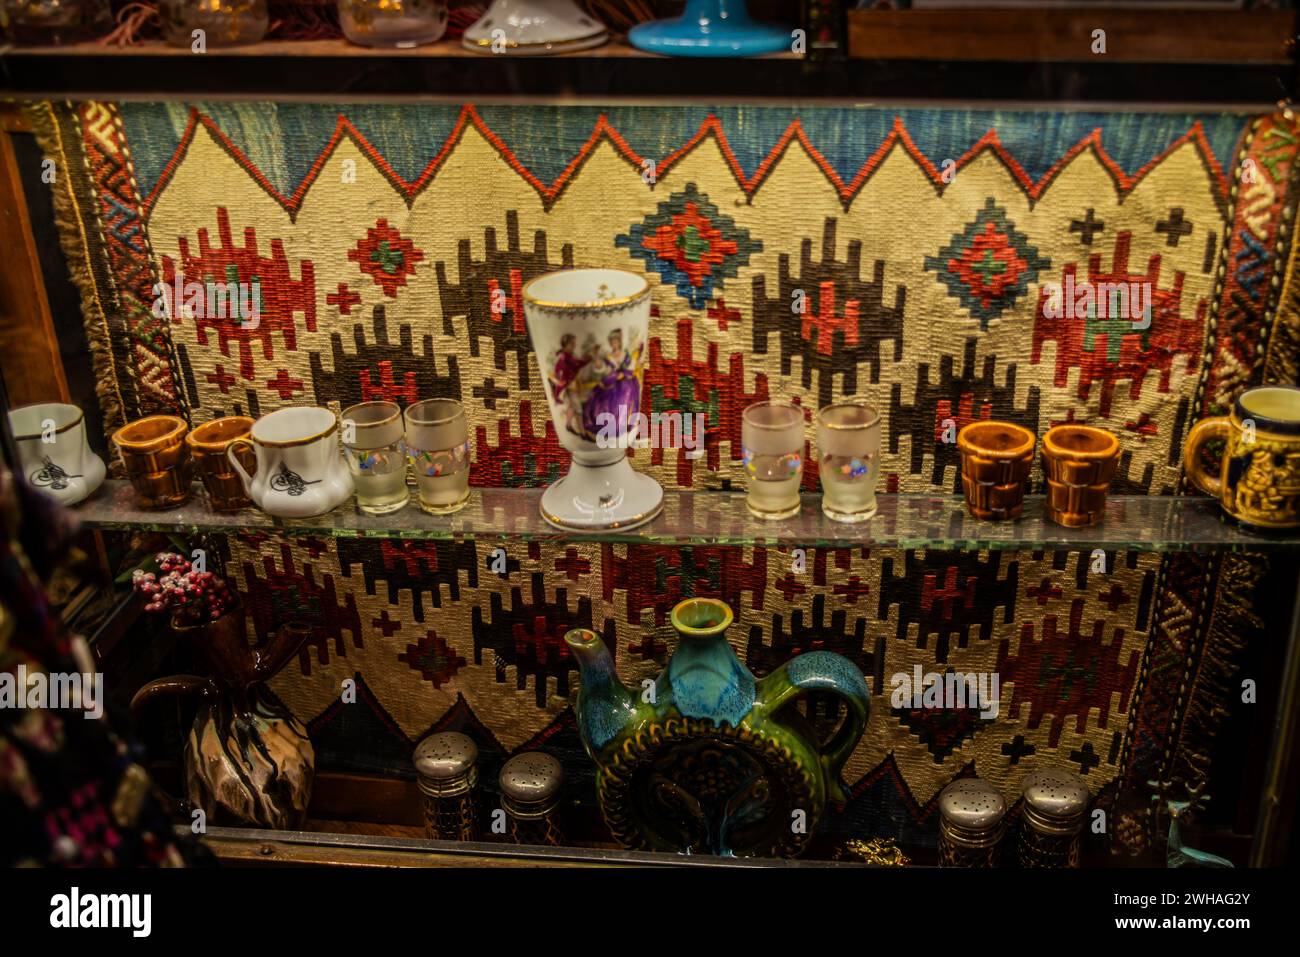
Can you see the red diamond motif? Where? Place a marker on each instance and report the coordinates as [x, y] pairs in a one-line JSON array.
[[386, 256]]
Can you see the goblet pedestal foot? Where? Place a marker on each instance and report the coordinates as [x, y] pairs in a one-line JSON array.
[[593, 498]]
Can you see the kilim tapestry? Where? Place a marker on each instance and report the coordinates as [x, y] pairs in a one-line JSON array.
[[902, 255]]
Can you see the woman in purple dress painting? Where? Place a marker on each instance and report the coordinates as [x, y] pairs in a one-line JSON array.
[[616, 392]]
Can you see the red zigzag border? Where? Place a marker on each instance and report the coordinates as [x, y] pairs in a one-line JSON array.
[[710, 127]]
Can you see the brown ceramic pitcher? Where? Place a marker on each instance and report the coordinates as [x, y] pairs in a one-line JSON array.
[[247, 758], [995, 461], [1079, 462]]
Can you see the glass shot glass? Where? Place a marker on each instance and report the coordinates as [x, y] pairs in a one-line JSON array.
[[848, 446], [224, 22], [771, 446], [437, 443], [376, 454], [393, 23]]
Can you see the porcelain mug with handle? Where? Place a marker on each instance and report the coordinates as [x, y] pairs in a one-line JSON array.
[[300, 471], [51, 440], [1258, 478]]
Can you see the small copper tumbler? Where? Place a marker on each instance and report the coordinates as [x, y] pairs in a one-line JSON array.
[[157, 459], [995, 461], [208, 443], [1079, 462]]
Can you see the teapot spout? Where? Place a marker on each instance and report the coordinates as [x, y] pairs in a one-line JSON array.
[[604, 703]]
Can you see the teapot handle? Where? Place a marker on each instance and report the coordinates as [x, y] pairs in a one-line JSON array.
[[829, 672]]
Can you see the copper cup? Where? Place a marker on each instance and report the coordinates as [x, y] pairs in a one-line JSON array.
[[995, 461], [1079, 462], [157, 459], [208, 443]]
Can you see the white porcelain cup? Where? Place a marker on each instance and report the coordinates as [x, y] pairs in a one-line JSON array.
[[53, 451], [300, 471]]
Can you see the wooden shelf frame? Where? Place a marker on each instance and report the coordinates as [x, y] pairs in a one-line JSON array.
[[898, 63], [1057, 34]]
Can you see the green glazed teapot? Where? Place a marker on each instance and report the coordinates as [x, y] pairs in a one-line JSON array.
[[710, 759]]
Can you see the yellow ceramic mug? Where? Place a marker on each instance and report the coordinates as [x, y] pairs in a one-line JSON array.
[[1259, 479]]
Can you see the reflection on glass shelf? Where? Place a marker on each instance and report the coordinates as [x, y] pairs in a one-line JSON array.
[[1145, 523]]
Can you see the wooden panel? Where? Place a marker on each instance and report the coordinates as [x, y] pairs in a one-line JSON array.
[[902, 48], [334, 47], [253, 849], [256, 846], [367, 797], [29, 349], [13, 119], [1155, 36]]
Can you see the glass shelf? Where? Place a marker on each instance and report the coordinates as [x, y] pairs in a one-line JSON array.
[[1138, 523]]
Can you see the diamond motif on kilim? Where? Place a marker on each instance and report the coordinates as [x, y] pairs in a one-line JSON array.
[[941, 730], [386, 256], [988, 265], [691, 245], [433, 658]]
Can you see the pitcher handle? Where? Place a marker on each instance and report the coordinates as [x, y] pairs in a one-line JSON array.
[[824, 671], [244, 477], [176, 684], [1216, 427]]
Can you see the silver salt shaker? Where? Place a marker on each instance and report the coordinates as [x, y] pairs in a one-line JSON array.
[[445, 764], [972, 821], [531, 785], [1055, 802]]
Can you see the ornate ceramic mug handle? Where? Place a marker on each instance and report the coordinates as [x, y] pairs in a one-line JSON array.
[[1202, 432], [244, 477], [825, 671]]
